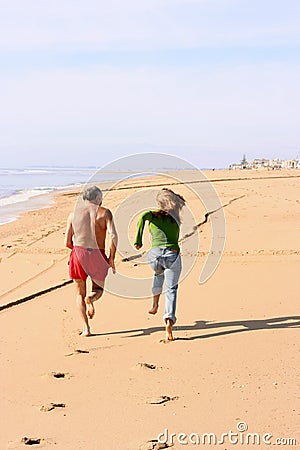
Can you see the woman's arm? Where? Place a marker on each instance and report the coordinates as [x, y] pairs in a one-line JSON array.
[[138, 242]]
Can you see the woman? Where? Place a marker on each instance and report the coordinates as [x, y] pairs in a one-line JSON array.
[[164, 257]]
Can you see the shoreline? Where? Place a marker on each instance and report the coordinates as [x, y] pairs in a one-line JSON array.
[[36, 199], [12, 211]]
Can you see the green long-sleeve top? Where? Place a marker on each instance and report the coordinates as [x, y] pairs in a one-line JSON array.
[[164, 231]]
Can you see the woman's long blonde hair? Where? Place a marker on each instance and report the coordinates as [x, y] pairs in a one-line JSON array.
[[170, 204]]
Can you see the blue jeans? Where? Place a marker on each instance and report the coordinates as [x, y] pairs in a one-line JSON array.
[[167, 267]]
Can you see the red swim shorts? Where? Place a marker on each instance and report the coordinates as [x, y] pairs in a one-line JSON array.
[[86, 262]]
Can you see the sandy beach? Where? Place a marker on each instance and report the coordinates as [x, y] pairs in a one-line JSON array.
[[234, 364]]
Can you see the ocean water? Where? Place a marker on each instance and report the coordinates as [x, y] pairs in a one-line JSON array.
[[25, 189]]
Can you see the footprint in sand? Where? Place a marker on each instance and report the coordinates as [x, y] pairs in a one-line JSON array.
[[60, 375], [38, 442], [146, 366], [77, 351], [153, 445], [51, 406], [161, 399], [31, 441]]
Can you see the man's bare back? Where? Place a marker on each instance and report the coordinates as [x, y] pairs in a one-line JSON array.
[[90, 225]]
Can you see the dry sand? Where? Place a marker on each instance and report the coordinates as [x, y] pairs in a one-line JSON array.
[[236, 354]]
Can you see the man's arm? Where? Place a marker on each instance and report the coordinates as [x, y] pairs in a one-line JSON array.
[[69, 232], [111, 229]]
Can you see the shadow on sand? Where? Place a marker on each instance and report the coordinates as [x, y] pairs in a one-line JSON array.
[[243, 325]]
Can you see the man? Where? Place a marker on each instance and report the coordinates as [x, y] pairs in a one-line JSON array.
[[85, 236]]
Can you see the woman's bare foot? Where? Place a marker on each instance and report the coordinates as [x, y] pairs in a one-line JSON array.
[[169, 334], [153, 310], [155, 304]]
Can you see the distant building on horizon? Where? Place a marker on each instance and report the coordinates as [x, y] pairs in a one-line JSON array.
[[269, 164]]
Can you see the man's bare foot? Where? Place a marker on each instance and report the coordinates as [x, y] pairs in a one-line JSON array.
[[85, 333], [90, 307], [90, 299], [169, 334], [94, 295], [153, 310]]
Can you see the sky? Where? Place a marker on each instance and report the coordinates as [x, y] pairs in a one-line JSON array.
[[84, 82]]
